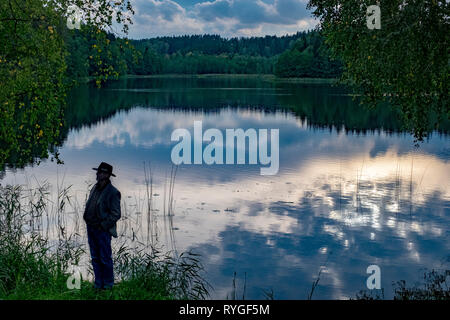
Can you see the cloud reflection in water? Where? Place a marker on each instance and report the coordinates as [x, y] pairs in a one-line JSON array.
[[346, 200]]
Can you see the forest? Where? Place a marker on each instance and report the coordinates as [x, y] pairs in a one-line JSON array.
[[303, 54]]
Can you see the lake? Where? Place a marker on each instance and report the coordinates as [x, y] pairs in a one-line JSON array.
[[352, 188]]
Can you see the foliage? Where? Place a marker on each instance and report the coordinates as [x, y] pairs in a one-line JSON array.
[[26, 261], [164, 275], [31, 73], [206, 54], [207, 44], [433, 287], [404, 63], [308, 57], [201, 54], [33, 66], [97, 54], [374, 294]]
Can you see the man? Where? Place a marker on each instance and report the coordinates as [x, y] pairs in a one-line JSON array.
[[101, 214]]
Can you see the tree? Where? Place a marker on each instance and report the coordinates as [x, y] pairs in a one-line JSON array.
[[405, 63], [307, 57], [33, 69]]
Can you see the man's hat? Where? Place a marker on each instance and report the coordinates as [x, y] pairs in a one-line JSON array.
[[105, 167]]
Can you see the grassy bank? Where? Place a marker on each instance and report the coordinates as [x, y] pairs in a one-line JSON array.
[[36, 266]]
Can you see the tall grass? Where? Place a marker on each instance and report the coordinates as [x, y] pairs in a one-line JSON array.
[[28, 261], [38, 248], [234, 294], [433, 286]]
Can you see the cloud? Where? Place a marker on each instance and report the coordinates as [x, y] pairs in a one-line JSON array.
[[228, 18], [250, 12], [166, 9]]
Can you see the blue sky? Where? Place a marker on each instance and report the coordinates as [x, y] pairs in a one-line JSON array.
[[228, 18]]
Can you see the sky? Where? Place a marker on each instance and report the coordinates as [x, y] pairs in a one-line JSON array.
[[228, 18]]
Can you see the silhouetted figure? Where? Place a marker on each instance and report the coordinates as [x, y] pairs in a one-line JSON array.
[[101, 214]]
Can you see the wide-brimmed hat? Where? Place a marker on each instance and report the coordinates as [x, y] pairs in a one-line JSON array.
[[105, 167]]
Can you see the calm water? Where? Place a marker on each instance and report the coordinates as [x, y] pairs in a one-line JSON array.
[[343, 199]]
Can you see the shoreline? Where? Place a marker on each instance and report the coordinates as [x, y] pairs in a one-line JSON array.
[[265, 77]]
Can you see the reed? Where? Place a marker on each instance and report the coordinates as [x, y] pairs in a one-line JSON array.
[[234, 294], [433, 286], [41, 240]]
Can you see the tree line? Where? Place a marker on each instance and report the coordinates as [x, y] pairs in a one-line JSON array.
[[303, 54]]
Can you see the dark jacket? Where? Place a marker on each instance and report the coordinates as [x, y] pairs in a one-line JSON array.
[[107, 208]]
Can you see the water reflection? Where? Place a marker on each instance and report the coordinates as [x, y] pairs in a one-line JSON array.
[[340, 201]]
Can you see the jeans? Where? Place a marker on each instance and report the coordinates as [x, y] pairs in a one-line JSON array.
[[101, 254]]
